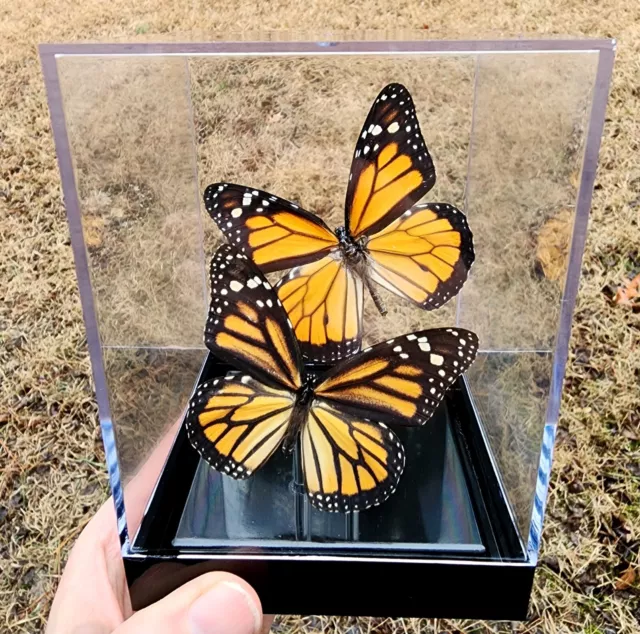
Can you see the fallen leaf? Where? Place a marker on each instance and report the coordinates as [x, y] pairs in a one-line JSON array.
[[629, 292], [554, 240], [627, 579], [93, 227]]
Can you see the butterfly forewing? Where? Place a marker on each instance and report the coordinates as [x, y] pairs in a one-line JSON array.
[[324, 301], [391, 168], [349, 463], [402, 380], [274, 232], [236, 423], [423, 256], [247, 325]]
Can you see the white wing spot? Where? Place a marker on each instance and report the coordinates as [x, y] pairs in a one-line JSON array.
[[260, 303], [436, 359], [235, 286], [375, 130], [425, 347], [410, 337], [398, 349], [394, 127], [404, 355], [237, 212]]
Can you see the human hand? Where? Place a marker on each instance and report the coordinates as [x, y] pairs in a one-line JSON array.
[[93, 597]]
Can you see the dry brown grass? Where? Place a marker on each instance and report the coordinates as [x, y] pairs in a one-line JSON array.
[[53, 476]]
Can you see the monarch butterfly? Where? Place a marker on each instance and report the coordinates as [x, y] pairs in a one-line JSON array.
[[349, 462], [421, 252]]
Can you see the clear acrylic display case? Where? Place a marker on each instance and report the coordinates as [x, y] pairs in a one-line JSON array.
[[514, 128]]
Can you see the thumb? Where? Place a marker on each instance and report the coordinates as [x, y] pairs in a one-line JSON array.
[[214, 603]]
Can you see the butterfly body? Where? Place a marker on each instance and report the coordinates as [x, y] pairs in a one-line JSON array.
[[421, 252], [300, 413], [350, 459], [354, 250]]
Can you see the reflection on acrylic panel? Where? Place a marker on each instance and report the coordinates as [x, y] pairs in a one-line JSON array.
[[511, 392], [430, 511], [148, 391], [294, 127], [525, 155], [131, 134]]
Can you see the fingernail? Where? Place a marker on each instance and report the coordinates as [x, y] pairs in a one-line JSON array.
[[225, 609]]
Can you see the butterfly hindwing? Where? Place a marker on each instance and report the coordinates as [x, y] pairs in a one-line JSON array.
[[349, 463], [247, 325], [236, 423], [403, 380], [324, 301], [391, 168], [423, 256], [274, 232]]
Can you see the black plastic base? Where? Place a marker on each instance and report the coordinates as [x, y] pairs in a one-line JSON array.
[[447, 529], [356, 587]]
